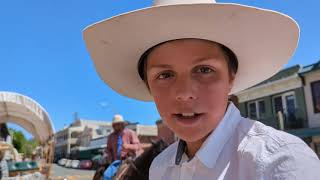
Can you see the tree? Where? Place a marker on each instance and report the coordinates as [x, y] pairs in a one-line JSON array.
[[29, 147], [22, 144], [18, 139]]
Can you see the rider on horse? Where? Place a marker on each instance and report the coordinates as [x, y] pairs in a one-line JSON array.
[[122, 144]]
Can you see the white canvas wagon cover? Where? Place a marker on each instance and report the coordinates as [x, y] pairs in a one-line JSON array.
[[24, 111]]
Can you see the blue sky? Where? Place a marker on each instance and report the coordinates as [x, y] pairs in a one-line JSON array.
[[42, 54]]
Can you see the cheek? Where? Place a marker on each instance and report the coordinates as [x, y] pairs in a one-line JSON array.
[[214, 102], [214, 96], [162, 102], [215, 89], [160, 93]]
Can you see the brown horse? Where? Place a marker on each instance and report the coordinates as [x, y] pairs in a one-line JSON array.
[[99, 172], [138, 168]]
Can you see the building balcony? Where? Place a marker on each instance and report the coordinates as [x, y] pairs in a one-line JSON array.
[[290, 121]]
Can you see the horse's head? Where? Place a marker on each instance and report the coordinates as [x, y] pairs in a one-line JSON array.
[[157, 147], [139, 168]]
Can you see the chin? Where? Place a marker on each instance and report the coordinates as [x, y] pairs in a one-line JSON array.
[[190, 136]]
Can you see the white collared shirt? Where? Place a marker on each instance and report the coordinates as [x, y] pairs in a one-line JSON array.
[[241, 149]]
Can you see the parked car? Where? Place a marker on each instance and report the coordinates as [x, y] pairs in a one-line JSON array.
[[62, 162], [75, 164], [68, 163], [85, 164]]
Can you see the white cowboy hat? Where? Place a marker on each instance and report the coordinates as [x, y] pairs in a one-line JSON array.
[[118, 119], [263, 40]]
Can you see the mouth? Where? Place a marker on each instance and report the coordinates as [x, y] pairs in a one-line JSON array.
[[188, 119]]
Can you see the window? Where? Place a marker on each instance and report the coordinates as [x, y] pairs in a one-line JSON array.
[[278, 104], [99, 131], [253, 110], [286, 103], [75, 134], [290, 104], [315, 89], [257, 109], [262, 108]]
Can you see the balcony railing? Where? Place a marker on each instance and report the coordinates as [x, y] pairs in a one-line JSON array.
[[290, 121]]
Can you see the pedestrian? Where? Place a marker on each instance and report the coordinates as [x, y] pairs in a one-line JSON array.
[[123, 143], [188, 56]]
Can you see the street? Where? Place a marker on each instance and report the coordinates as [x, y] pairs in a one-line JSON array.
[[59, 172]]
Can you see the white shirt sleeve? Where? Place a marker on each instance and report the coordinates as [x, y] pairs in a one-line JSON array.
[[293, 161]]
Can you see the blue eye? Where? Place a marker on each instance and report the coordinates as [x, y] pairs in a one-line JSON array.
[[164, 75], [204, 70]]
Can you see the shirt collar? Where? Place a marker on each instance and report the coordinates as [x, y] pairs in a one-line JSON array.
[[215, 141]]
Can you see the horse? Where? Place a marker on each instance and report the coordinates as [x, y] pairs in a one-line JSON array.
[[137, 168], [98, 175]]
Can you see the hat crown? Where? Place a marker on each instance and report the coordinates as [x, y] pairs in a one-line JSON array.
[[174, 2], [117, 118]]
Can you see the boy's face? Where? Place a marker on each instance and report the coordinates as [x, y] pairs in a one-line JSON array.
[[189, 81]]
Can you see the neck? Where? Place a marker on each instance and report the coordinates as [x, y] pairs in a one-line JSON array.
[[193, 147]]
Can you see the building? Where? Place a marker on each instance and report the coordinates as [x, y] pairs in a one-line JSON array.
[[290, 100], [145, 133], [311, 78], [95, 147], [86, 138], [93, 131], [284, 92], [80, 132]]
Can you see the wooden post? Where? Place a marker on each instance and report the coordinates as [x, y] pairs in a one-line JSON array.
[[281, 122]]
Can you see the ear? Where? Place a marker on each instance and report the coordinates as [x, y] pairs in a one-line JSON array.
[[232, 78]]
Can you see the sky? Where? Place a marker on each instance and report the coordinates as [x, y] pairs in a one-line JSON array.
[[43, 55]]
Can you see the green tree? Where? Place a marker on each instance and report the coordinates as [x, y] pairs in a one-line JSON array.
[[29, 147], [18, 139], [22, 144]]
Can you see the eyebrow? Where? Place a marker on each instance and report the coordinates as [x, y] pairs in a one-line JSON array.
[[159, 66], [204, 59], [198, 60]]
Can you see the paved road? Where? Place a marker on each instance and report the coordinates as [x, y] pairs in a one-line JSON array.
[[58, 173]]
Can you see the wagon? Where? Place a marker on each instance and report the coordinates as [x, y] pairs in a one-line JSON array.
[[27, 113]]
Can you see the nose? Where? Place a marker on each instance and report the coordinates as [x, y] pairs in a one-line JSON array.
[[185, 90]]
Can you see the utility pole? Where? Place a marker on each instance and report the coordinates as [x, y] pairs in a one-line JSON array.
[[75, 116]]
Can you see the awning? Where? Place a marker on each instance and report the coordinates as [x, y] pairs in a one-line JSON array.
[[24, 111]]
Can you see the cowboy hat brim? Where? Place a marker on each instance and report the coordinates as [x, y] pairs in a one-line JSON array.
[[262, 40], [119, 122]]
